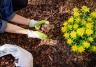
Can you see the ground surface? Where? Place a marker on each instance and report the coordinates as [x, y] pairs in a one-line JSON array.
[[53, 52]]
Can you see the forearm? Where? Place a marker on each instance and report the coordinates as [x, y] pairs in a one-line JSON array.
[[20, 20], [11, 28], [19, 30]]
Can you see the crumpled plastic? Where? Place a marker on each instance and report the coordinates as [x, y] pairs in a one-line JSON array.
[[22, 57]]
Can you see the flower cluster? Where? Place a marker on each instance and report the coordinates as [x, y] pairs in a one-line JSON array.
[[79, 30]]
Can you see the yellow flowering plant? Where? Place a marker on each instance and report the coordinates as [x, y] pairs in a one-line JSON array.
[[79, 30]]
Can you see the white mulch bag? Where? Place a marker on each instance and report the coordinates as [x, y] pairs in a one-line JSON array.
[[22, 57]]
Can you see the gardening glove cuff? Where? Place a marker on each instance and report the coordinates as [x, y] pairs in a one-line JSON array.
[[32, 23]]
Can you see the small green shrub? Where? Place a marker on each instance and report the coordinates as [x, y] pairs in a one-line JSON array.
[[79, 30]]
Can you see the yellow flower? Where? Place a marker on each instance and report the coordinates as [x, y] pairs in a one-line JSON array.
[[71, 19], [74, 48], [75, 26], [83, 22], [89, 32], [93, 14], [89, 25], [75, 9], [80, 31], [80, 49], [89, 19], [77, 19], [76, 14], [64, 29], [69, 41], [70, 27], [73, 34], [90, 39], [66, 35], [93, 49], [85, 9], [86, 44], [65, 23]]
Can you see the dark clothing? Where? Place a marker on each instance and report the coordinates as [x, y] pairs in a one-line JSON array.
[[7, 8], [19, 4]]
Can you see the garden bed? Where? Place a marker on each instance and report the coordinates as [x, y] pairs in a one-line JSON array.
[[53, 52]]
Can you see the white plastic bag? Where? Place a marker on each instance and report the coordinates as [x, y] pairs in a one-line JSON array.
[[22, 57]]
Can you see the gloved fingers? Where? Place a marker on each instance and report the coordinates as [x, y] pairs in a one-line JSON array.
[[37, 27], [42, 22], [37, 34], [41, 35]]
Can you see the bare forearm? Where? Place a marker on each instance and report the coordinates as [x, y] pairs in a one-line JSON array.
[[11, 28], [20, 20]]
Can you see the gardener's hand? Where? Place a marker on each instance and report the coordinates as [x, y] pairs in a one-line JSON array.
[[37, 24], [37, 34]]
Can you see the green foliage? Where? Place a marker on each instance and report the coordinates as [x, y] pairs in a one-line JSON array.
[[79, 30]]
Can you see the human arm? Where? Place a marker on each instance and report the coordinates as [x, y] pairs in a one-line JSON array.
[[7, 14], [11, 28], [29, 22]]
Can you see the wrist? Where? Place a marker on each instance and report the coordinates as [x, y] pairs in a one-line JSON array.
[[30, 34], [32, 23]]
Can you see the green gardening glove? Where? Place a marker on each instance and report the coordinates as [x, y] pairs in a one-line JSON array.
[[37, 24], [37, 34]]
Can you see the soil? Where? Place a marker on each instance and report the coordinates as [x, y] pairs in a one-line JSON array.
[[53, 52]]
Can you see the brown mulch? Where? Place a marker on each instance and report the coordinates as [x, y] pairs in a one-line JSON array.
[[53, 52]]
